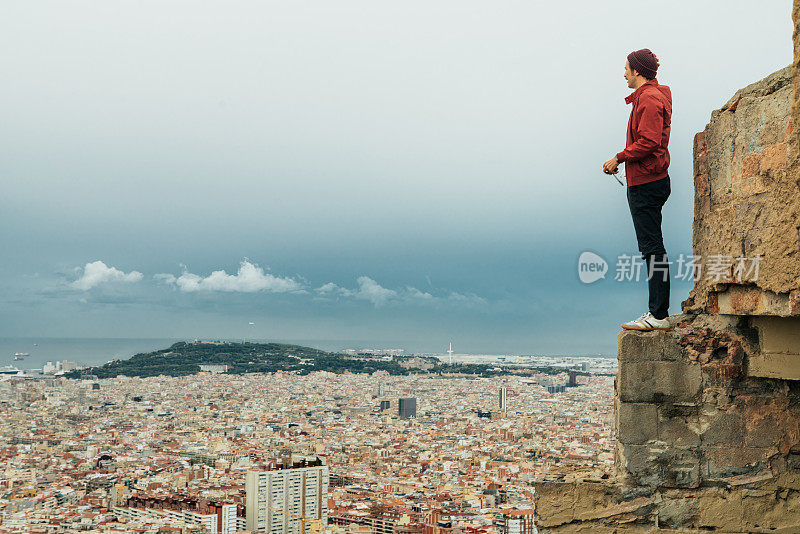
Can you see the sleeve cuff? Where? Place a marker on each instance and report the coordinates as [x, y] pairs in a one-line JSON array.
[[620, 157]]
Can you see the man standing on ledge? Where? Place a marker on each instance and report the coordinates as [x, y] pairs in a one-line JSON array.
[[646, 161]]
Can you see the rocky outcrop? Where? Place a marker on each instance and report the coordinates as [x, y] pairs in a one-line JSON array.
[[707, 414], [742, 175]]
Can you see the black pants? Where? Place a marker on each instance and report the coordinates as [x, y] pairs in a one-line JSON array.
[[645, 202]]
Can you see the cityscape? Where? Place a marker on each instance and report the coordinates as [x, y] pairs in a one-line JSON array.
[[286, 452]]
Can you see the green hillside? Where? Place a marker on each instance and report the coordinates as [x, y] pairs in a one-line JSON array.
[[185, 358]]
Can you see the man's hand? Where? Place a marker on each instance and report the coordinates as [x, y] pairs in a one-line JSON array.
[[611, 166]]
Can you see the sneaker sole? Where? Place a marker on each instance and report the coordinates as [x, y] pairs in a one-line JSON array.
[[645, 329]]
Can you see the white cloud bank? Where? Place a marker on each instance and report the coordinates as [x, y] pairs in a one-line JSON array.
[[97, 272], [249, 279]]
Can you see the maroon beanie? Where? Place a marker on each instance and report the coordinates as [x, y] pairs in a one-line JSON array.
[[644, 62]]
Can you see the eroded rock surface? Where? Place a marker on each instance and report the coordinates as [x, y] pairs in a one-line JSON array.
[[747, 204]]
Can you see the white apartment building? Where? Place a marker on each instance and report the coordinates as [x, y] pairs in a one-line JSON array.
[[223, 522], [278, 501]]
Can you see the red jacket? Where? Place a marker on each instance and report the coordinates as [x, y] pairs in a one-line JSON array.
[[646, 156]]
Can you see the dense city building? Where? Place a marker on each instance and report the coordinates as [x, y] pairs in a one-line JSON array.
[[143, 454]]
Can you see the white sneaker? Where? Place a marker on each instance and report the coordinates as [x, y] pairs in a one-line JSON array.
[[646, 323]]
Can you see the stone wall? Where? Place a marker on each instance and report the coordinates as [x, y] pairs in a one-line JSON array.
[[689, 414]]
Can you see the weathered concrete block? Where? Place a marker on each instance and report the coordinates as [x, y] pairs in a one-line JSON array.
[[640, 346], [658, 464], [720, 510], [772, 365], [636, 422], [657, 382], [752, 300], [722, 428], [678, 512], [768, 511], [680, 432], [712, 421], [771, 422], [721, 462], [557, 503], [672, 350], [778, 334]]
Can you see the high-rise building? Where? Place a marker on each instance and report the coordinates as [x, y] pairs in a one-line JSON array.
[[503, 399], [385, 405], [407, 407], [573, 379], [117, 495], [287, 500]]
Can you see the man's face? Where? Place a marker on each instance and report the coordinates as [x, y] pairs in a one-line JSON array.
[[629, 76]]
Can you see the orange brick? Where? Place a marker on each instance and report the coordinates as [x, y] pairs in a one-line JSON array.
[[774, 157], [751, 164]]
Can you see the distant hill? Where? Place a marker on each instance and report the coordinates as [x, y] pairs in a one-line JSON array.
[[185, 358]]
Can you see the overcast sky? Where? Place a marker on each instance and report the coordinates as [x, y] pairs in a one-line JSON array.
[[364, 172]]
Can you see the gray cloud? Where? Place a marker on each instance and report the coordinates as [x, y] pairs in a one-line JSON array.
[[373, 292], [368, 289]]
